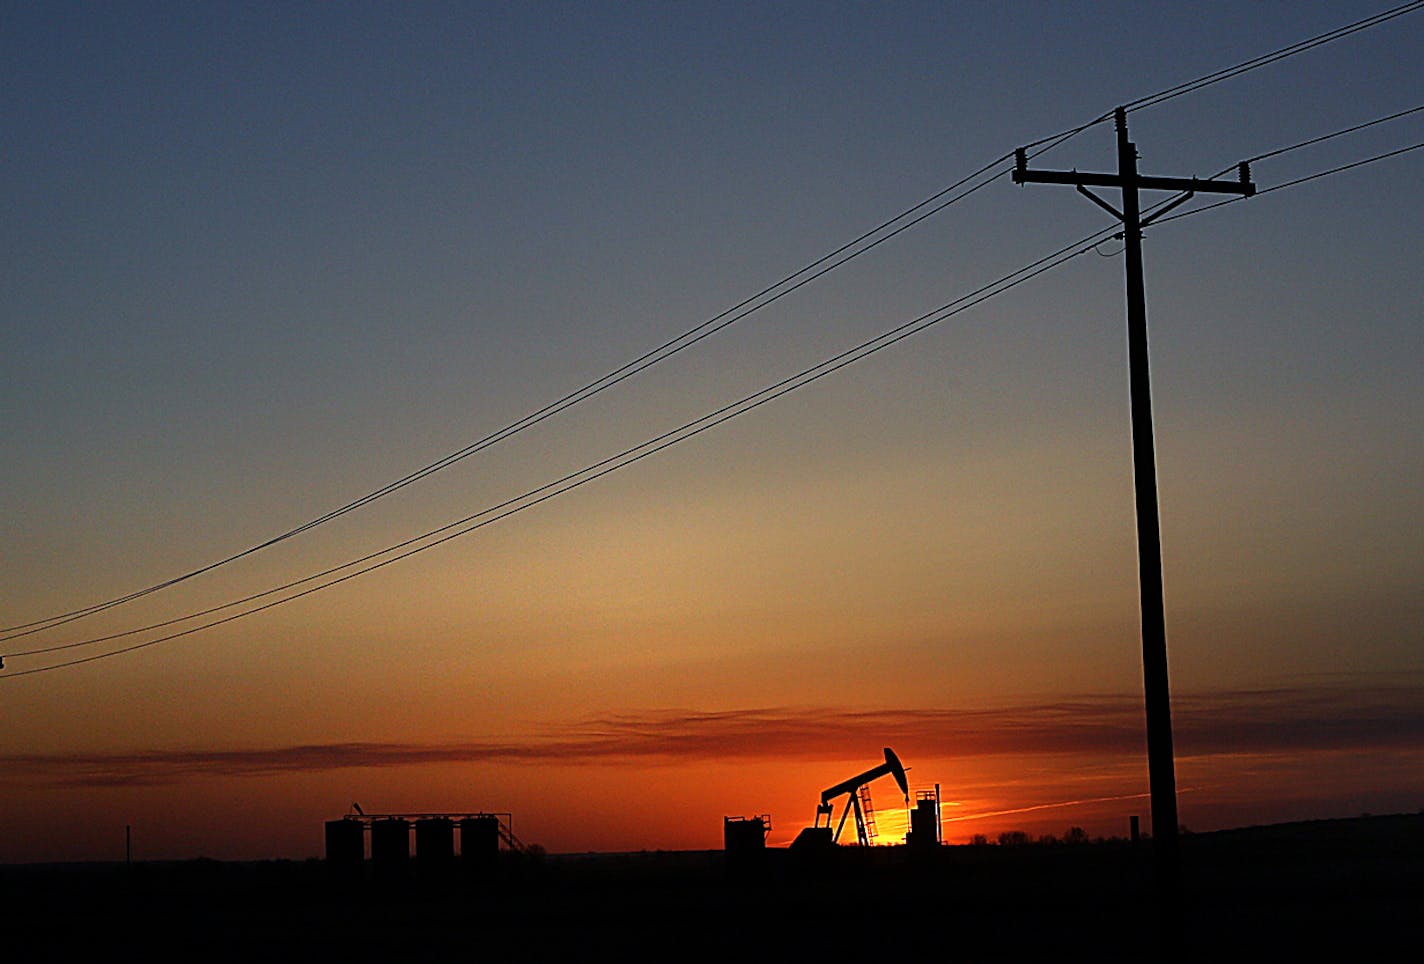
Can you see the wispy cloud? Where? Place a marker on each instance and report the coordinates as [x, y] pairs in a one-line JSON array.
[[1057, 805], [1301, 718]]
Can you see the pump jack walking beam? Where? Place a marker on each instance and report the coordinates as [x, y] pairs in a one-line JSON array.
[[1160, 764], [891, 767]]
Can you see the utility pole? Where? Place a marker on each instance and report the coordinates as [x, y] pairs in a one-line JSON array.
[[1161, 770]]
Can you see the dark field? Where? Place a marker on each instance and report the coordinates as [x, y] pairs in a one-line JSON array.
[[1340, 889]]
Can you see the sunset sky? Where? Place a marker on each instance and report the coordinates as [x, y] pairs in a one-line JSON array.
[[260, 261]]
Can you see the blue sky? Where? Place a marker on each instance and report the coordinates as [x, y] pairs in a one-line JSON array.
[[260, 260]]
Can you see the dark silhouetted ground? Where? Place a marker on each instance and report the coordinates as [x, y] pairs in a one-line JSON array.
[[1344, 889]]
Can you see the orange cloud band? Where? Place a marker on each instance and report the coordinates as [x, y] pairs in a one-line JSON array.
[[1242, 721]]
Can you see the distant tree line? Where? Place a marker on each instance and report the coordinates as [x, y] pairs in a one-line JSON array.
[[1020, 838]]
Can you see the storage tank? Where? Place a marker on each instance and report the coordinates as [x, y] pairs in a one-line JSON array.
[[743, 835], [390, 846], [924, 832], [345, 844], [479, 840], [434, 842]]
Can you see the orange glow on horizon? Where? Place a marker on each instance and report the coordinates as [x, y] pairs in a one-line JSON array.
[[647, 779]]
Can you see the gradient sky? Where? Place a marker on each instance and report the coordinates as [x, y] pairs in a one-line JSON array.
[[260, 261]]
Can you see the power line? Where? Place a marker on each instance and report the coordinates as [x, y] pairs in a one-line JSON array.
[[1160, 756], [541, 489], [692, 336], [1343, 167], [604, 467], [1178, 198], [1339, 133], [1246, 66], [716, 323], [1227, 73], [652, 446], [1063, 135], [1300, 180]]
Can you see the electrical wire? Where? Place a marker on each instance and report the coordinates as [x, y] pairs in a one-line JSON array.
[[1286, 150], [657, 444], [604, 467], [1064, 135], [811, 272], [1326, 137], [1246, 66], [715, 323], [1274, 56], [1300, 180]]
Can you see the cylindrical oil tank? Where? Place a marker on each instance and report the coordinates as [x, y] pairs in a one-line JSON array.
[[479, 839], [924, 825], [435, 842], [345, 844], [390, 845]]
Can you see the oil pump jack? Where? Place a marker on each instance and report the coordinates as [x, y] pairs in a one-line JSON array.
[[821, 836]]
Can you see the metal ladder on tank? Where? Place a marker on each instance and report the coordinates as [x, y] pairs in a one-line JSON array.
[[867, 812]]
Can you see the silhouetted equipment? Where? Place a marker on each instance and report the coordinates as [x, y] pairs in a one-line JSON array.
[[867, 815], [1134, 829], [745, 835], [818, 836], [390, 846], [435, 843], [1161, 769], [345, 844], [480, 836], [479, 840], [813, 838], [925, 820]]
